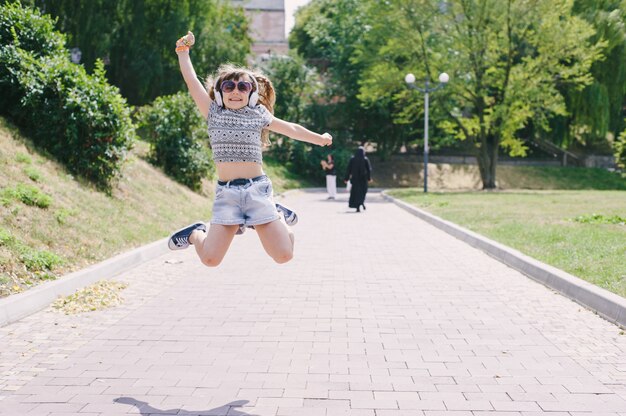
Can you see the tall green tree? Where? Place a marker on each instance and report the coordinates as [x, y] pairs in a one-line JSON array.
[[328, 33], [296, 86], [135, 39], [508, 61], [596, 113]]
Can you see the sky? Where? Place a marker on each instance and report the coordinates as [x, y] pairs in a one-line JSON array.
[[290, 9]]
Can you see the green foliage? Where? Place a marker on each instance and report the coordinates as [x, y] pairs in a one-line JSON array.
[[330, 34], [600, 219], [177, 136], [88, 124], [299, 88], [296, 86], [39, 260], [23, 158], [79, 118], [596, 112], [29, 30], [27, 194], [33, 174], [507, 61], [33, 260], [619, 149], [137, 37], [61, 215], [296, 83], [5, 237]]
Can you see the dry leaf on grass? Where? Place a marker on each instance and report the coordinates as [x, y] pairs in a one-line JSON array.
[[101, 295]]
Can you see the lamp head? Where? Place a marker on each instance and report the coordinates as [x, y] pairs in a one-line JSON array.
[[444, 78], [409, 78]]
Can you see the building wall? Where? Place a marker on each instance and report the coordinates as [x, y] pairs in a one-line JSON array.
[[267, 25]]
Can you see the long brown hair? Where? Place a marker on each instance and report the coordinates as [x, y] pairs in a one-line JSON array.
[[267, 95]]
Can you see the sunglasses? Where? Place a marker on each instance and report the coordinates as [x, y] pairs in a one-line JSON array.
[[229, 86]]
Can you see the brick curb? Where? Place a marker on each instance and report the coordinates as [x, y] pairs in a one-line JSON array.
[[606, 304], [17, 306]]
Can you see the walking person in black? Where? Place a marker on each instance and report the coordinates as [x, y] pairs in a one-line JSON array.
[[359, 174]]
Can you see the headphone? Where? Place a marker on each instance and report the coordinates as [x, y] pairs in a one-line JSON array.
[[252, 99]]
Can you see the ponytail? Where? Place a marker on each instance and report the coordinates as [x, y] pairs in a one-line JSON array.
[[267, 98]]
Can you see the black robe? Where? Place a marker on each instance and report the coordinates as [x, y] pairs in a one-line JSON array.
[[359, 174]]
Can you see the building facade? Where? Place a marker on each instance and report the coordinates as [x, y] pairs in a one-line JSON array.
[[267, 26]]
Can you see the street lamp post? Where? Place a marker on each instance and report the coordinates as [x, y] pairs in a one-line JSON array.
[[410, 81]]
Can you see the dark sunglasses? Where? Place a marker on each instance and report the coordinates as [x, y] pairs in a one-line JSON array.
[[229, 86]]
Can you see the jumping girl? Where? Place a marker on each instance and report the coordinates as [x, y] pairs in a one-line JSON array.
[[238, 105]]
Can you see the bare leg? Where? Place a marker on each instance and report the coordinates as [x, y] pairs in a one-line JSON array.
[[212, 246], [277, 239]]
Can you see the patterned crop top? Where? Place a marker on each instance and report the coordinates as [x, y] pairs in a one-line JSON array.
[[235, 135]]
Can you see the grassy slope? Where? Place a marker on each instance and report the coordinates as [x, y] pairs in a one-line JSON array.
[[81, 226]]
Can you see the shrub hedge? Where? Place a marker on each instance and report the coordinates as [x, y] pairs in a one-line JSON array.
[[79, 118]]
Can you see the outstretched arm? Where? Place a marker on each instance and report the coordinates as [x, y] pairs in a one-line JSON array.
[[297, 132], [196, 89]]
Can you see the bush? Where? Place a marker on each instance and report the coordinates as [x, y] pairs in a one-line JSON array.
[[29, 31], [79, 118], [177, 136], [87, 123]]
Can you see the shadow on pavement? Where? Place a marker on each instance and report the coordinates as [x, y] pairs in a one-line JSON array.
[[145, 409]]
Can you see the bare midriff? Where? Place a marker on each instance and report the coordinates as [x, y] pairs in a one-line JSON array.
[[227, 171]]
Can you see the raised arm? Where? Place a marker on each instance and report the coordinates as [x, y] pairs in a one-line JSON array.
[[196, 89], [297, 132]]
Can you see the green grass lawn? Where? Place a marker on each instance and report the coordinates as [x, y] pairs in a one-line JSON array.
[[581, 232]]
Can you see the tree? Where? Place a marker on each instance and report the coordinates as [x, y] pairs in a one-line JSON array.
[[508, 61], [596, 113], [328, 34], [136, 37], [296, 86]]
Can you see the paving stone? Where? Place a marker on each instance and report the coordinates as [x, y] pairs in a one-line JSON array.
[[378, 314]]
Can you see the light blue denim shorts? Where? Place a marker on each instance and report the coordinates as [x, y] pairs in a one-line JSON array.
[[244, 201]]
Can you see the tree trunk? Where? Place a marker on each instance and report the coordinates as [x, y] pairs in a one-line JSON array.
[[487, 161]]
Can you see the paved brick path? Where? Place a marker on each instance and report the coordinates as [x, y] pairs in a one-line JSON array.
[[379, 314]]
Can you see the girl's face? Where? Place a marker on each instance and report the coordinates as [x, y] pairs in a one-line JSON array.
[[238, 96]]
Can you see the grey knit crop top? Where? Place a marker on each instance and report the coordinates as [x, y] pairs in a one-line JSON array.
[[235, 135]]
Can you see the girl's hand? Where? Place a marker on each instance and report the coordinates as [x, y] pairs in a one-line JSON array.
[[185, 42], [327, 140], [189, 39]]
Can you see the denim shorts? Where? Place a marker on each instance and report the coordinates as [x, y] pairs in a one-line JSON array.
[[244, 201]]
